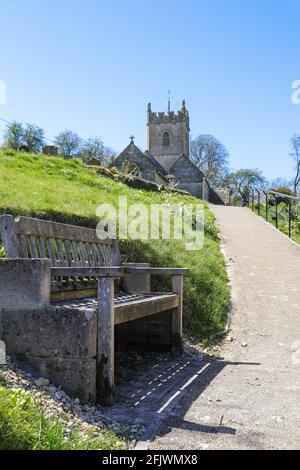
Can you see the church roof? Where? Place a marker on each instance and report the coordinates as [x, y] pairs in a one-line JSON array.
[[167, 161], [154, 162], [189, 163], [130, 151], [133, 151]]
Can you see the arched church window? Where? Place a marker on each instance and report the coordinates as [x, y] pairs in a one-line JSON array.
[[131, 168], [166, 138]]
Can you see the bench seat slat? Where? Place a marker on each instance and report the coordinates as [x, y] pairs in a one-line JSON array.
[[127, 308]]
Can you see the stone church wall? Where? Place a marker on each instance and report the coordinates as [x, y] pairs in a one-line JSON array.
[[147, 171], [177, 134], [195, 189]]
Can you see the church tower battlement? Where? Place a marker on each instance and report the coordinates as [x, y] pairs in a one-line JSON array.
[[168, 133]]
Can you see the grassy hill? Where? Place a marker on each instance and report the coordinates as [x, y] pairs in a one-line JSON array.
[[69, 191]]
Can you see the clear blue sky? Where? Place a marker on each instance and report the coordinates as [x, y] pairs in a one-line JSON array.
[[93, 65]]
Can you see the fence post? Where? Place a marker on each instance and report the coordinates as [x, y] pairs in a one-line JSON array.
[[266, 196], [290, 217]]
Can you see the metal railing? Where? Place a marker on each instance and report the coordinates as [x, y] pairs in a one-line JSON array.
[[271, 196]]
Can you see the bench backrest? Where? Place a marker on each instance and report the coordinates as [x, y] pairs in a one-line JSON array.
[[65, 245]]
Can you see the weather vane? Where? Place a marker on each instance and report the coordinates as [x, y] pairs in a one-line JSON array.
[[169, 101]]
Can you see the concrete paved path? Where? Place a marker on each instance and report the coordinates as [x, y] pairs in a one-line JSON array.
[[251, 398]]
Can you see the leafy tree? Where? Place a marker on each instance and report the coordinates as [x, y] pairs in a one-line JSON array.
[[211, 156], [239, 180], [295, 154], [13, 135], [33, 138], [68, 143]]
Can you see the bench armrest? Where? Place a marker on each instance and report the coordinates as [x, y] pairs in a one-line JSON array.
[[105, 271], [150, 270]]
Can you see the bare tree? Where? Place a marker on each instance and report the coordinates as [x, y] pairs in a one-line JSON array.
[[93, 150], [295, 154], [109, 155], [239, 181], [211, 156], [68, 143]]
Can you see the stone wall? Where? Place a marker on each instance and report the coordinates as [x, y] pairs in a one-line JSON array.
[[195, 189]]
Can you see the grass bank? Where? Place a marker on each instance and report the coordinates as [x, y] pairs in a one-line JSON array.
[[24, 426], [282, 214], [69, 191]]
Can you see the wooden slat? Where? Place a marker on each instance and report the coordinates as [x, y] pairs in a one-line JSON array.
[[55, 230], [82, 254], [101, 255], [90, 255], [52, 251], [106, 257], [9, 236], [135, 309], [23, 247], [132, 307], [171, 271], [58, 296], [95, 255], [60, 256], [33, 248], [116, 253], [110, 271], [75, 253], [43, 248], [68, 251]]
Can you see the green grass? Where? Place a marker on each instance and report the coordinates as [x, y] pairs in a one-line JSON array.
[[68, 191], [23, 426], [282, 219]]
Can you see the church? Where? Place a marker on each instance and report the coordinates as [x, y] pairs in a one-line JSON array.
[[166, 160]]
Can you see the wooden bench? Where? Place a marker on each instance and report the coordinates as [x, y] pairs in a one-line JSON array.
[[87, 270]]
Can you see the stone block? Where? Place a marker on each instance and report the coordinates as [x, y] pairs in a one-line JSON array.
[[76, 376], [24, 284], [50, 332]]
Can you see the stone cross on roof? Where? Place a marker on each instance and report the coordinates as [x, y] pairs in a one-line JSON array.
[[132, 139]]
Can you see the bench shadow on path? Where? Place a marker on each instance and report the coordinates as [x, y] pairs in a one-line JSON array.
[[156, 388]]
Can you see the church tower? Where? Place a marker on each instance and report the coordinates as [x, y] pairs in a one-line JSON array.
[[168, 135]]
